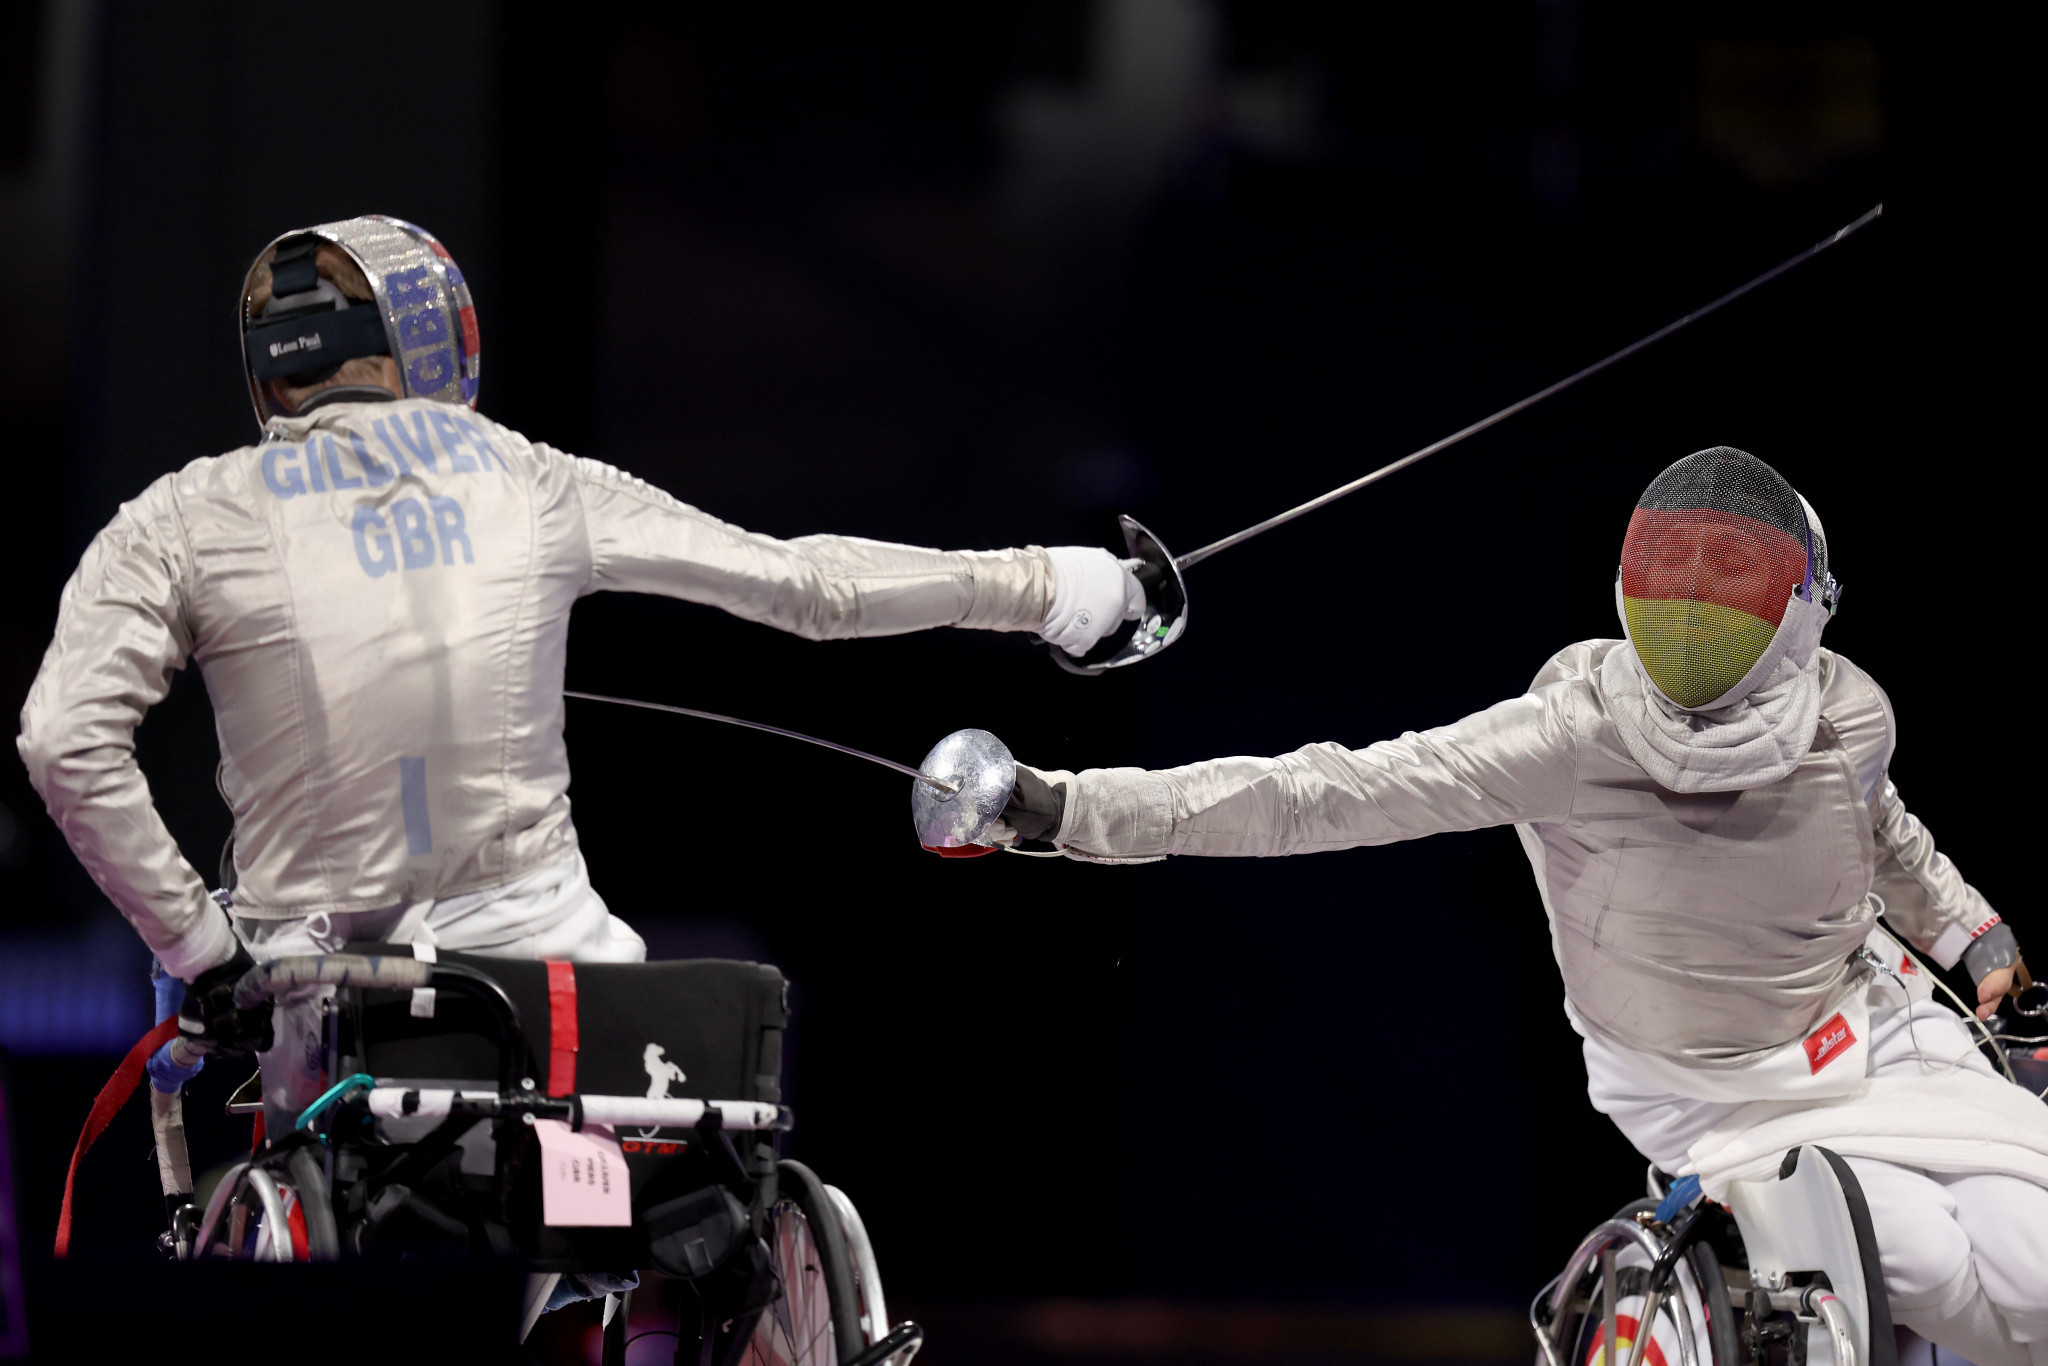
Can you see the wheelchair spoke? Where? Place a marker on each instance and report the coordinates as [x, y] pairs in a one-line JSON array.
[[797, 1329]]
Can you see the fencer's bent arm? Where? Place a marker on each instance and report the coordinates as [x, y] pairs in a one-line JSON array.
[[121, 633], [1926, 899], [1513, 762], [819, 587]]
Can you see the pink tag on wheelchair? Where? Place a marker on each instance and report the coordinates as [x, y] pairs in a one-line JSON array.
[[583, 1181]]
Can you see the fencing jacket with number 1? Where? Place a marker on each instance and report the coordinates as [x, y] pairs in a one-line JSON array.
[[378, 598]]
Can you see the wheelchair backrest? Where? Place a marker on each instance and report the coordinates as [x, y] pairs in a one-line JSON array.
[[705, 1029], [709, 1028]]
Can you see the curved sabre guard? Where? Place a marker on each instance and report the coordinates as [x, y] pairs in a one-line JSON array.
[[981, 772], [1166, 608]]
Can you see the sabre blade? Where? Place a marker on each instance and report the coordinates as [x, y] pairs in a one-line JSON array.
[[905, 769], [1195, 557]]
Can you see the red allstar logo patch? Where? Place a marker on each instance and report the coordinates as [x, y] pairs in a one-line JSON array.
[[1829, 1042]]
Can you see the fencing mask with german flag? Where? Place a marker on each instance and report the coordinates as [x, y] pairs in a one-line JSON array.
[[1724, 574]]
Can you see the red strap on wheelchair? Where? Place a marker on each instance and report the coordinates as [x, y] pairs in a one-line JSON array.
[[561, 1029], [112, 1097]]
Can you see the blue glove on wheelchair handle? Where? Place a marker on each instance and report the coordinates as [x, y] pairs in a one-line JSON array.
[[165, 1073]]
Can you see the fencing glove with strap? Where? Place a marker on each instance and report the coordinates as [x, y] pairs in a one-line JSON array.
[[1036, 807], [1093, 594], [209, 1017]]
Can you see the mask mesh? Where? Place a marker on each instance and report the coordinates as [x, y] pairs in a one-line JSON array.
[[1717, 546]]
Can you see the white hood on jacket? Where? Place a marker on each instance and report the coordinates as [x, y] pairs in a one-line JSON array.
[[1755, 733]]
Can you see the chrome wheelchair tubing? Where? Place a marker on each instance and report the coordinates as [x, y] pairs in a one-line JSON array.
[[1537, 1326], [1807, 1303], [1829, 1310], [1661, 1270], [276, 1227], [309, 1183], [215, 1206], [899, 1346], [888, 1346], [1603, 1238], [874, 1307]]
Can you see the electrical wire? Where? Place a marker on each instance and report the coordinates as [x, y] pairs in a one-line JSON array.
[[2004, 1065]]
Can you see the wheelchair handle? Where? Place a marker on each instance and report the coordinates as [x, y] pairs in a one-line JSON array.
[[267, 981]]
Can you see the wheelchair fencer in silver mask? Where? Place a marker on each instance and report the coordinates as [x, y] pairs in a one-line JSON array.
[[377, 593], [1707, 808]]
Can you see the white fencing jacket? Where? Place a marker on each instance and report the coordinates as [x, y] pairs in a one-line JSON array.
[[378, 598], [1708, 929]]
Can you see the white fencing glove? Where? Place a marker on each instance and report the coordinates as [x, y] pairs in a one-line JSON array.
[[1093, 594]]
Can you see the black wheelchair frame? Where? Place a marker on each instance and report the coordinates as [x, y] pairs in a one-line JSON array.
[[779, 1261]]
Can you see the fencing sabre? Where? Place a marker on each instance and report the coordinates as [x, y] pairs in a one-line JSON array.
[[1166, 599], [960, 789], [935, 781], [965, 781]]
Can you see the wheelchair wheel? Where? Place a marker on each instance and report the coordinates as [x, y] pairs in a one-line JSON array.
[[815, 1319], [1722, 1340], [1694, 1325], [269, 1210], [867, 1276]]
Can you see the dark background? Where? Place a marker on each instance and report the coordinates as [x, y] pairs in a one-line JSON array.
[[988, 275]]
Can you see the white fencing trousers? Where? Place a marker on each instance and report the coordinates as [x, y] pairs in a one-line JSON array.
[[552, 913], [1965, 1256]]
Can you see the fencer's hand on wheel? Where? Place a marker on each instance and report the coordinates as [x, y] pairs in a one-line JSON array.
[[1094, 593], [209, 1019], [1992, 990]]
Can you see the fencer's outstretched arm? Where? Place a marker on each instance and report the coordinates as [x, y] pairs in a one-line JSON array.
[[1513, 762], [821, 587], [122, 631]]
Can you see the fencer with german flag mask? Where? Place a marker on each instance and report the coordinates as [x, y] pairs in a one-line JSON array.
[[377, 594], [1707, 810]]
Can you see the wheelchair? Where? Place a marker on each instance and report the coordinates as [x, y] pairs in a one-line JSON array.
[[451, 1075], [1786, 1274]]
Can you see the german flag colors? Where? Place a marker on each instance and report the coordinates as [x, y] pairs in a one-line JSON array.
[[1715, 550]]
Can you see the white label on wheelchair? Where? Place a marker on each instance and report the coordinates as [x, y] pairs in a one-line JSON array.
[[583, 1181]]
